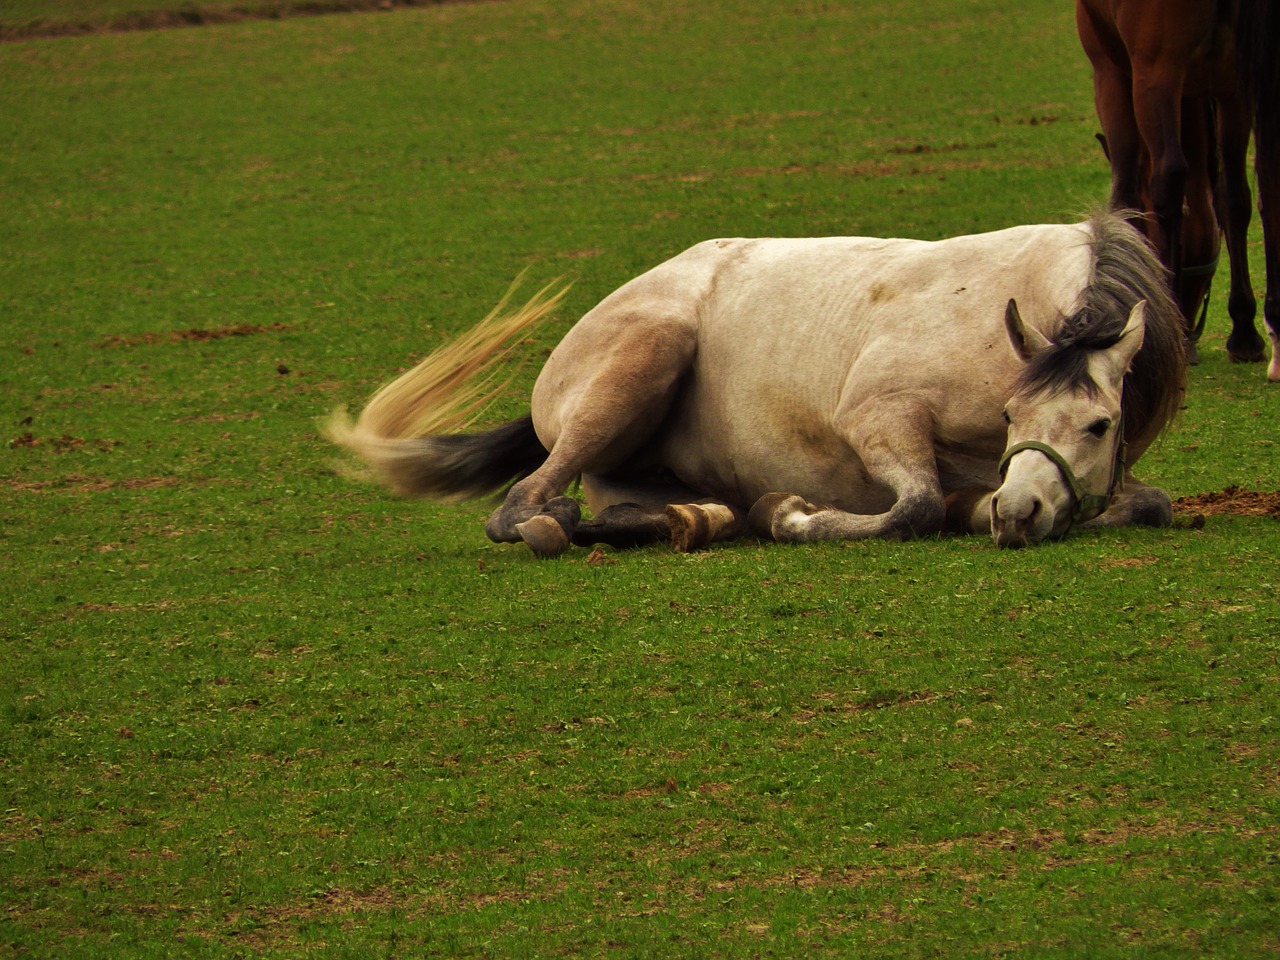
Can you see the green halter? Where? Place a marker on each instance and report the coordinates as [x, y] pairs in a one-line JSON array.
[[1087, 505]]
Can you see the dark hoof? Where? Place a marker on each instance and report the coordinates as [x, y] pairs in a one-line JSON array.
[[1249, 353]]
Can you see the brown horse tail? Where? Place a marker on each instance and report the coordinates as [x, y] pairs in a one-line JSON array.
[[407, 433]]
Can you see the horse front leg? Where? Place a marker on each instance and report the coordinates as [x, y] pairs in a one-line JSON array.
[[1140, 505], [895, 445]]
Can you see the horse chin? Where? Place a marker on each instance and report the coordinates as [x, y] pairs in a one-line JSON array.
[[1013, 536]]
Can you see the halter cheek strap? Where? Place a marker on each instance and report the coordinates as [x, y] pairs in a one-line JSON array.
[[1087, 505]]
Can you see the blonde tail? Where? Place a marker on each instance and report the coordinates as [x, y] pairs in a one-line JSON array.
[[407, 433]]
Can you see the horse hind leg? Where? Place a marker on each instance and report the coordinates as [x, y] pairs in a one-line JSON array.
[[635, 512], [601, 396]]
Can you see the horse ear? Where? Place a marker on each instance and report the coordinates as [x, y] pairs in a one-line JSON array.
[[1026, 341], [1134, 333]]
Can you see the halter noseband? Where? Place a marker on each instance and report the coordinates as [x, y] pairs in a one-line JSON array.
[[1087, 505]]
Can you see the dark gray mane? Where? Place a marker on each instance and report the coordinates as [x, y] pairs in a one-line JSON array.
[[1125, 271]]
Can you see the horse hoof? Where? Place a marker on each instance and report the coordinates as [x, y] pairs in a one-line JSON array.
[[545, 537], [695, 525], [1250, 353], [550, 532]]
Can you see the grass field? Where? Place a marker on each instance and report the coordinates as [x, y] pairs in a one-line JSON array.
[[250, 707]]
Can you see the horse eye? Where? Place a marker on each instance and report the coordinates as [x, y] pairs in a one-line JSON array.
[[1099, 428], [1007, 418]]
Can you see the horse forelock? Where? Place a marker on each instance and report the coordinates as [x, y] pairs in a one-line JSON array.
[[1124, 271]]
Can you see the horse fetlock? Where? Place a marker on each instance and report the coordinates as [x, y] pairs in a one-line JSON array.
[[502, 523], [1142, 506], [968, 511]]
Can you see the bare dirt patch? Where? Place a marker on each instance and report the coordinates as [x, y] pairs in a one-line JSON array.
[[77, 481], [198, 15], [62, 444], [197, 334], [1234, 500]]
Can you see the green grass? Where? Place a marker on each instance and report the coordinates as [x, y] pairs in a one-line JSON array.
[[249, 707]]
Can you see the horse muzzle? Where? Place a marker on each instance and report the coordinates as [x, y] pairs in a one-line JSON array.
[[1025, 515], [1040, 507]]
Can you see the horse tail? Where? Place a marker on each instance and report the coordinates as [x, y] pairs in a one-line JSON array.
[[407, 433]]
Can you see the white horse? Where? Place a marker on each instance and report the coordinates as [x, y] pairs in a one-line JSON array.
[[816, 389]]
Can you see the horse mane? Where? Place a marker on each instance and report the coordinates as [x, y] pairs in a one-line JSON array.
[[1125, 270]]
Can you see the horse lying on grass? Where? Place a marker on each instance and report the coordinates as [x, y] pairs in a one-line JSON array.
[[815, 389]]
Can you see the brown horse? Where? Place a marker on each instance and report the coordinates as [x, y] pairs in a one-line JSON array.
[[1179, 86]]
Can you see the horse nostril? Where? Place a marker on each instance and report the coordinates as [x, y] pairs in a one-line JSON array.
[[1035, 509]]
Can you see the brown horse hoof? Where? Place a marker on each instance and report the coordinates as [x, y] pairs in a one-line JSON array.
[[695, 525], [1251, 355], [550, 532]]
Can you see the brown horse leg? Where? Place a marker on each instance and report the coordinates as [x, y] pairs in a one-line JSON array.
[[969, 511], [1157, 102], [1139, 505], [1267, 160], [1113, 99], [1201, 238], [1235, 207], [548, 532], [602, 411]]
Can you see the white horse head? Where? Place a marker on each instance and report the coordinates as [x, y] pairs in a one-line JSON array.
[[1065, 457]]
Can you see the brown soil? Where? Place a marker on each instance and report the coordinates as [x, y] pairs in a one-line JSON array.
[[195, 333], [193, 15], [1233, 500]]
